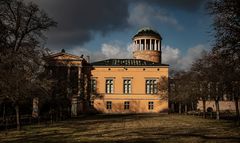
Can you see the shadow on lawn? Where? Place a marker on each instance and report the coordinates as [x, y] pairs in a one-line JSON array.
[[145, 138], [79, 129]]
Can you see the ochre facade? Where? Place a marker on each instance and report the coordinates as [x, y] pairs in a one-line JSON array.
[[137, 98], [117, 85]]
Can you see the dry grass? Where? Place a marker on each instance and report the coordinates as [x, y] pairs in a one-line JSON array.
[[128, 128]]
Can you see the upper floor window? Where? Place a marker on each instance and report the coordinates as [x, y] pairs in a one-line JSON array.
[[127, 87], [93, 85], [151, 86], [109, 86]]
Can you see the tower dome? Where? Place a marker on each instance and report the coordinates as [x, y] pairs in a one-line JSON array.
[[147, 45]]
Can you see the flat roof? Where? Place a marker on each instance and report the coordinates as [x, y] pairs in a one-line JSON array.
[[126, 62]]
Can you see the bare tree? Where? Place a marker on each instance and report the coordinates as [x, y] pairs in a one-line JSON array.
[[181, 90], [21, 61], [226, 25], [163, 87], [199, 75]]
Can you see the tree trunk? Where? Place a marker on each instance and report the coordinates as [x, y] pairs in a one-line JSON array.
[[192, 106], [179, 108], [172, 107], [4, 116], [217, 109], [4, 111], [204, 108], [60, 115], [51, 115], [237, 108], [18, 117], [186, 108]]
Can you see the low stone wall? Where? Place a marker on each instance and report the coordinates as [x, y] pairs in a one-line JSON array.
[[223, 105]]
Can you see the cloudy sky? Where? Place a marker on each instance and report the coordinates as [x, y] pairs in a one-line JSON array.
[[103, 28]]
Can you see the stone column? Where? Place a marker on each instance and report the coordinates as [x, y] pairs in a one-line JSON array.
[[68, 80], [158, 45], [35, 110], [145, 44], [79, 80], [68, 73], [74, 106], [150, 44], [155, 44], [135, 46], [138, 44]]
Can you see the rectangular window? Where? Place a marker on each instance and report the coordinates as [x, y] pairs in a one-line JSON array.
[[150, 105], [151, 86], [127, 87], [109, 86], [126, 105], [93, 86], [109, 105]]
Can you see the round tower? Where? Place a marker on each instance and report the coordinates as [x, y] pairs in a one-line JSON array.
[[147, 45]]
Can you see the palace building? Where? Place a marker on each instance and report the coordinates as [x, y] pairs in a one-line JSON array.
[[115, 85]]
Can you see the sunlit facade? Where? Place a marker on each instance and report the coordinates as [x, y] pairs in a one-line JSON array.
[[117, 85], [131, 85]]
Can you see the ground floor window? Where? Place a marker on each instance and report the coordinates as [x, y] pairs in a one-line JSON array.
[[109, 105], [126, 105], [150, 105]]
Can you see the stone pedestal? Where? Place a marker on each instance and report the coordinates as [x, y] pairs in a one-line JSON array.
[[74, 106], [35, 111], [77, 106]]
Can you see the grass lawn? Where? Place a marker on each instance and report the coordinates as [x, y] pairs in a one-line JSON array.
[[128, 128]]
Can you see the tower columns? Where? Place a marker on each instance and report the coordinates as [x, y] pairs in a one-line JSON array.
[[142, 44], [150, 44], [155, 44], [158, 45], [145, 44]]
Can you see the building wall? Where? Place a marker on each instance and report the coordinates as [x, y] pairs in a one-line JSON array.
[[138, 98], [223, 105], [154, 56]]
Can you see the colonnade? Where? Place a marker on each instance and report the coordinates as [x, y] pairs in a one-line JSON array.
[[147, 44], [79, 77]]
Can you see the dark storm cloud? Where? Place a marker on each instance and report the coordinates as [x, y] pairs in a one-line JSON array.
[[79, 20], [187, 5]]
